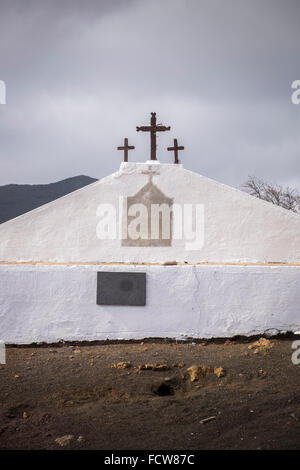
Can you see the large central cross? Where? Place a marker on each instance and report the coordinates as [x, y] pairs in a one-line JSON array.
[[153, 128]]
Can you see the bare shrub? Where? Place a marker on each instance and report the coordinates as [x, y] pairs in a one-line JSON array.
[[274, 193]]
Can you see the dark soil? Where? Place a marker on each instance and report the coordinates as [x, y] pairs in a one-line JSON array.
[[49, 392]]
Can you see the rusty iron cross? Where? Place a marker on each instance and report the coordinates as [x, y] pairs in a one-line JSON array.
[[175, 149], [126, 147], [153, 128]]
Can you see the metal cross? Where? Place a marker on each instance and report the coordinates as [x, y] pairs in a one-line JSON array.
[[175, 149], [153, 128], [126, 147]]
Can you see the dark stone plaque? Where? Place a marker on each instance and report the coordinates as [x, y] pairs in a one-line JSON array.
[[115, 288]]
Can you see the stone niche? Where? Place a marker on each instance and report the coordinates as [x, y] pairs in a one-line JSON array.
[[150, 212]]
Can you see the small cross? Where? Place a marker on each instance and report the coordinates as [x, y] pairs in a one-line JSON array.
[[153, 128], [150, 172], [175, 149], [126, 147]]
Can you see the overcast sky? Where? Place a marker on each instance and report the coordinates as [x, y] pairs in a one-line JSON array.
[[80, 76]]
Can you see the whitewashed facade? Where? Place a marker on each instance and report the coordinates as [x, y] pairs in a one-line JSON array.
[[239, 275]]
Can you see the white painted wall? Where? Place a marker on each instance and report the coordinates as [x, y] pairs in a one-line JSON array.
[[237, 227], [53, 303]]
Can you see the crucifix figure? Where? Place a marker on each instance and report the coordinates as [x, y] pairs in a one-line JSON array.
[[126, 147], [175, 149], [153, 128]]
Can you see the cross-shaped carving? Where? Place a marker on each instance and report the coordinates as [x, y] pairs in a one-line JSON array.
[[175, 149], [150, 172], [126, 147]]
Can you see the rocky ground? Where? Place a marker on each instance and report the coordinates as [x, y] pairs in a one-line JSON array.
[[147, 395]]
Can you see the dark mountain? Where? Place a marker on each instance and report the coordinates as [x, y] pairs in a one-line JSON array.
[[16, 199]]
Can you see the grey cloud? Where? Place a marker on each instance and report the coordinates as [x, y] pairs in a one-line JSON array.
[[81, 75]]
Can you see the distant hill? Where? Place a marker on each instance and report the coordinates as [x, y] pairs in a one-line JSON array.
[[16, 199]]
